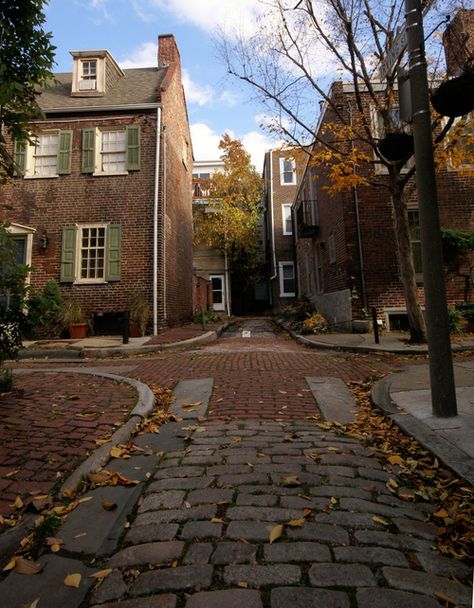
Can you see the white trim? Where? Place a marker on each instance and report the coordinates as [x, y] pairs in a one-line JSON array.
[[283, 293], [285, 216], [30, 148], [284, 159], [27, 231], [77, 279], [99, 131], [220, 306]]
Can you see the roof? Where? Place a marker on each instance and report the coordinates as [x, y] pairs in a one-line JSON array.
[[138, 86]]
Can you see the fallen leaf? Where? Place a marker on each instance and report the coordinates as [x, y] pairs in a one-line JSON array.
[[282, 392], [275, 533], [102, 573], [10, 565], [217, 520], [307, 512], [445, 598], [441, 513], [27, 566], [395, 459], [85, 499], [296, 523], [381, 520], [108, 505], [34, 603], [242, 584], [73, 580], [18, 504], [290, 481], [116, 452]]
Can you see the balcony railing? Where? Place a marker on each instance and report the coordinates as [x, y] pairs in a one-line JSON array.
[[306, 224]]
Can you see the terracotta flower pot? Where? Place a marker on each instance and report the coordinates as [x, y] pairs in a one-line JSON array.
[[78, 330]]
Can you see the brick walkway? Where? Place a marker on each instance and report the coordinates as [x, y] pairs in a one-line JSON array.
[[48, 423]]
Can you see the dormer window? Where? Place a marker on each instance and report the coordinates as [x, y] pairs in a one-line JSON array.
[[88, 78]]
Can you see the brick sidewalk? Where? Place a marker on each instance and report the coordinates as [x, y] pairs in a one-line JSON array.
[[48, 423]]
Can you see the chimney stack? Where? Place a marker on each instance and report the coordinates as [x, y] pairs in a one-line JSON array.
[[458, 41], [167, 51]]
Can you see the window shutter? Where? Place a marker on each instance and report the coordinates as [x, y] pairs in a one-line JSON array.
[[114, 237], [68, 254], [133, 148], [19, 157], [88, 150], [64, 152]]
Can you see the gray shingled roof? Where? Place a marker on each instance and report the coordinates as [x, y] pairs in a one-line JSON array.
[[138, 86]]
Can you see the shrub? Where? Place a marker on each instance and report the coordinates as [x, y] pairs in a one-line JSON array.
[[454, 319], [43, 308], [209, 317], [315, 324]]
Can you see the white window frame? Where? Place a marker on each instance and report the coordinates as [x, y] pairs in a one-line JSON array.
[[30, 160], [463, 166], [77, 76], [285, 216], [99, 154], [377, 130], [332, 248], [79, 248], [283, 293], [284, 159]]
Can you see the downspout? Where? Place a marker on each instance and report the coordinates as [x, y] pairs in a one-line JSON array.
[[359, 235], [272, 216], [227, 290], [165, 304], [155, 221]]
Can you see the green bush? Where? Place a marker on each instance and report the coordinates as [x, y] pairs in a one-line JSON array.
[[209, 317], [454, 319], [43, 309]]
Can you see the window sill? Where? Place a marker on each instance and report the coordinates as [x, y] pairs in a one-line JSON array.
[[288, 184], [90, 282], [102, 174], [287, 295], [40, 176]]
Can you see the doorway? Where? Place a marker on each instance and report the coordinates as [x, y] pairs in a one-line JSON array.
[[218, 292]]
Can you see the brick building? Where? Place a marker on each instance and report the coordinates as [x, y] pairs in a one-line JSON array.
[[280, 174], [102, 199]]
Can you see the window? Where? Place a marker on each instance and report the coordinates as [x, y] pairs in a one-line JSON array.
[[287, 172], [286, 219], [91, 253], [89, 69], [415, 237], [287, 279], [332, 248], [111, 151], [49, 155]]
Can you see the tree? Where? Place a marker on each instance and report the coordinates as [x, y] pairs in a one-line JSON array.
[[26, 60], [288, 61], [232, 220]]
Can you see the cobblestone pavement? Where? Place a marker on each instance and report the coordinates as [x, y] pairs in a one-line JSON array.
[[202, 534], [48, 423]]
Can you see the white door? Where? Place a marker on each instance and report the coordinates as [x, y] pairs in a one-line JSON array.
[[218, 291]]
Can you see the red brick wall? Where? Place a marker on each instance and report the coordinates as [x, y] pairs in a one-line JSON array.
[[459, 40]]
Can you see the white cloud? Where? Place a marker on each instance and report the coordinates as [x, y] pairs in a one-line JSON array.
[[229, 99], [145, 56], [206, 144], [200, 94]]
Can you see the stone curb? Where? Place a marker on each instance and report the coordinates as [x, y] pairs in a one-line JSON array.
[[365, 348], [101, 455], [446, 452], [83, 352]]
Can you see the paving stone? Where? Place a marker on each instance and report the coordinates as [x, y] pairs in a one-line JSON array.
[[396, 541], [201, 529], [301, 597], [297, 502], [180, 579], [255, 576], [112, 588], [193, 483], [179, 515], [150, 553], [253, 458], [230, 598], [330, 470], [347, 519], [206, 459], [371, 473], [250, 530], [233, 553], [170, 499], [262, 513], [366, 506], [287, 469], [92, 529], [164, 441], [370, 555], [164, 600], [151, 532], [418, 528], [137, 467], [296, 552], [239, 480], [198, 553], [230, 469], [260, 500], [389, 598], [180, 471], [17, 589], [320, 532], [211, 495], [350, 460], [423, 582], [339, 491], [341, 575], [437, 564]]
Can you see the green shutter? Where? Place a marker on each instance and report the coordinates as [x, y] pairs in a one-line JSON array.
[[133, 148], [114, 237], [19, 157], [68, 254], [64, 152], [88, 151]]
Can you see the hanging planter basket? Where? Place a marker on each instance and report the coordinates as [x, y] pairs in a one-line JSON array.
[[396, 147], [455, 97]]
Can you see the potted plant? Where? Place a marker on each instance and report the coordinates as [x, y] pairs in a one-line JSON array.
[[73, 319], [362, 324], [139, 314]]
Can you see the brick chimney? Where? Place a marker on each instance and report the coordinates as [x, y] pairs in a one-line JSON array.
[[458, 41], [168, 53]]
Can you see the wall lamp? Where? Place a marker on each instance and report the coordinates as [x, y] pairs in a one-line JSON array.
[[43, 241]]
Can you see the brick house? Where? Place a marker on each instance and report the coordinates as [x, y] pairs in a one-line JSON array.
[[346, 244], [209, 263], [280, 174], [102, 200]]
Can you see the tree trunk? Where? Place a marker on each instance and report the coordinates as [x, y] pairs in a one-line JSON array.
[[416, 320]]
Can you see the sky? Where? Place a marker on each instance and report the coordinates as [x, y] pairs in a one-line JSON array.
[[129, 29]]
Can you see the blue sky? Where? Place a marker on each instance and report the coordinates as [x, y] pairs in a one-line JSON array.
[[129, 30]]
